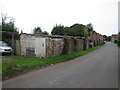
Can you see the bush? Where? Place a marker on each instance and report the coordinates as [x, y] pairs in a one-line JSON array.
[[118, 42], [115, 41]]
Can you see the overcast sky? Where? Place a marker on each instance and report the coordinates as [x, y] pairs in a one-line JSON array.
[[103, 14]]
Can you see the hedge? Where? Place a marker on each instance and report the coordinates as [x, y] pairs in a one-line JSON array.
[[117, 42]]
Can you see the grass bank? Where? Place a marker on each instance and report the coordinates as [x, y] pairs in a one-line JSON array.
[[19, 64]]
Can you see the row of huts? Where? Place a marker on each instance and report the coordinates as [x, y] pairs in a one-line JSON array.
[[44, 46]]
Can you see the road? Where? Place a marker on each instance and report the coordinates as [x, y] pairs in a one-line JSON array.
[[98, 69]]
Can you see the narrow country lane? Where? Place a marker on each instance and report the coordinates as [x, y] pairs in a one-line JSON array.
[[98, 69]]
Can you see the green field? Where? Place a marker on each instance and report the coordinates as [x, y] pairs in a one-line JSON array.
[[18, 63]]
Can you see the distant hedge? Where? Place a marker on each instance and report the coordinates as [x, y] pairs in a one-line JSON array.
[[117, 42]]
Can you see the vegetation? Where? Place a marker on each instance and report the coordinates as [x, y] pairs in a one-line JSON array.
[[90, 27], [107, 38], [77, 30], [45, 33], [117, 42], [58, 30], [38, 30], [19, 64], [74, 30], [8, 27]]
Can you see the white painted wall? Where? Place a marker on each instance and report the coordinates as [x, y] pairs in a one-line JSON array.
[[23, 44], [26, 41], [40, 47]]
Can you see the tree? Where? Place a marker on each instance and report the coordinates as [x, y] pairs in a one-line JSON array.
[[74, 30], [77, 30], [8, 27], [119, 35], [86, 34], [105, 37], [45, 33], [58, 30], [109, 38], [67, 31], [37, 30], [90, 27], [21, 31]]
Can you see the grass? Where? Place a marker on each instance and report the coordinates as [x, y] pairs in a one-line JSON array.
[[19, 64]]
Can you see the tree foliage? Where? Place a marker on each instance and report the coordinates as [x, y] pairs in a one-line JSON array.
[[45, 33], [8, 27], [58, 30], [67, 31], [86, 34], [38, 30], [107, 38], [90, 27], [74, 30], [77, 30]]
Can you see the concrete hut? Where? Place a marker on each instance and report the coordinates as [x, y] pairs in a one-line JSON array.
[[68, 45], [44, 46], [78, 44], [41, 45]]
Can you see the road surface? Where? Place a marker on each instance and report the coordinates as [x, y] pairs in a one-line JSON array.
[[98, 69]]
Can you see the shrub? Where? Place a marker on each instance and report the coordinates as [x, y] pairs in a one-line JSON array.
[[118, 42], [115, 41]]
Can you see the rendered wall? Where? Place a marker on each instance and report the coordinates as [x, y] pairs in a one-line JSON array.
[[54, 46], [68, 46], [27, 43], [86, 44], [78, 44], [18, 48], [40, 47], [50, 46]]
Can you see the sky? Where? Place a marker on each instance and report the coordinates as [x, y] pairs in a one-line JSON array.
[[103, 14]]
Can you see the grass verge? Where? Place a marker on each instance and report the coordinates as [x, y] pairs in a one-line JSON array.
[[20, 64]]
